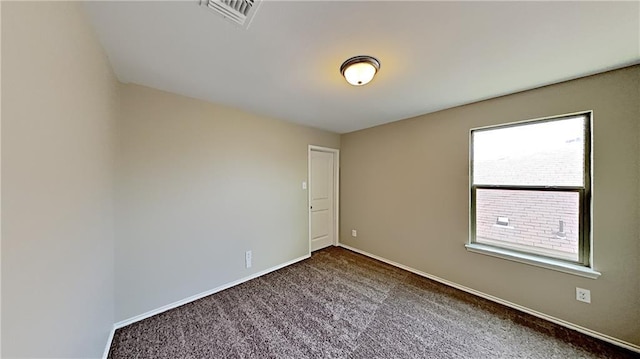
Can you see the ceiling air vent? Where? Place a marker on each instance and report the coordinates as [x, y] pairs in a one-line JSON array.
[[238, 11]]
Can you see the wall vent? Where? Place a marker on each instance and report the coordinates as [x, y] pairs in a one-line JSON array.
[[238, 11]]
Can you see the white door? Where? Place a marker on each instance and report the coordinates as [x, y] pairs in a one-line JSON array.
[[322, 198]]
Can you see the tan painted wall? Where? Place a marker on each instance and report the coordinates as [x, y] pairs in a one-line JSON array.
[[198, 185], [404, 188], [59, 108]]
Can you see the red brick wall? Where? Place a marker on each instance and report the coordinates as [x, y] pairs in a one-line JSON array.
[[533, 218]]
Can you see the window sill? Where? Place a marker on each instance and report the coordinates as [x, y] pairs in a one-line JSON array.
[[534, 260]]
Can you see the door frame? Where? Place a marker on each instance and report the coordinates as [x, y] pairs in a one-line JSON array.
[[336, 190]]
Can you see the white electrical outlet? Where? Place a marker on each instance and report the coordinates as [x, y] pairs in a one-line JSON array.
[[354, 233], [583, 295], [247, 259]]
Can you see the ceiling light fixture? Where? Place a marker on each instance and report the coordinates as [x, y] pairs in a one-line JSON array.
[[359, 70]]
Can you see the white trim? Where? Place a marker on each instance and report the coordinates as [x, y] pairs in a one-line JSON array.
[[192, 298], [534, 260], [546, 118], [105, 355], [309, 197], [564, 323], [336, 187]]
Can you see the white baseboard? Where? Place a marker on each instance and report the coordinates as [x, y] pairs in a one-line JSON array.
[[109, 340], [564, 323], [192, 298]]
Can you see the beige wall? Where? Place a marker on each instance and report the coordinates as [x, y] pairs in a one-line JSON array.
[[59, 105], [198, 185], [404, 187]]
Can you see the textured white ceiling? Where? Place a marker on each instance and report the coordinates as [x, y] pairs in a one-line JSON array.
[[434, 55]]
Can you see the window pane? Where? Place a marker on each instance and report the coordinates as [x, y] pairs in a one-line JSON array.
[[539, 154], [539, 222]]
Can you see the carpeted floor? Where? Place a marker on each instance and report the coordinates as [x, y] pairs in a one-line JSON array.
[[339, 304]]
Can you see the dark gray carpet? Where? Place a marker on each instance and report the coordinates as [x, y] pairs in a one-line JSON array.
[[339, 304]]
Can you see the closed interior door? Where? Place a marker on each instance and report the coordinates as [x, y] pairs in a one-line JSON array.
[[322, 199]]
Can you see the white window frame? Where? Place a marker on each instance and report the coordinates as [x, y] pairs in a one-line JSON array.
[[584, 265]]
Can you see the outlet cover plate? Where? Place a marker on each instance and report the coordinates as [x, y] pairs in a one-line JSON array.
[[583, 295]]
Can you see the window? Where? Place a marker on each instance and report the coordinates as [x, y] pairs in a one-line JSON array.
[[530, 191]]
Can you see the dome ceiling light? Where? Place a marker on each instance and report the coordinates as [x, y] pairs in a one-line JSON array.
[[360, 70]]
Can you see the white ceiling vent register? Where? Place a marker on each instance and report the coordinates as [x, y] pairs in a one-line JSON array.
[[238, 11]]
